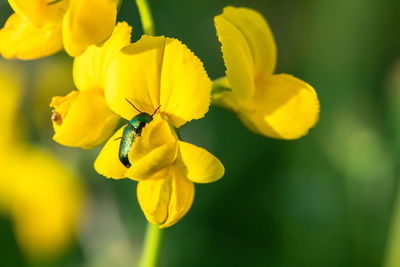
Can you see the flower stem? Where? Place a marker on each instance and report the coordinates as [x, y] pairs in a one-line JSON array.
[[146, 17], [393, 244], [153, 238], [152, 244], [219, 87]]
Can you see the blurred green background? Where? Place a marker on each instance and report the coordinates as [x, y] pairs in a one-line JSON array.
[[328, 199]]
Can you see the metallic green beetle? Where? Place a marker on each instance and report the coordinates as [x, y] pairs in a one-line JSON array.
[[132, 129]]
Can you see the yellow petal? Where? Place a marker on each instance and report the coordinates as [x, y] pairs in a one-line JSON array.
[[155, 134], [88, 22], [181, 199], [154, 150], [248, 48], [90, 68], [154, 197], [165, 199], [166, 73], [285, 107], [237, 57], [20, 39], [156, 160], [107, 162], [82, 119], [185, 87], [40, 12], [198, 165], [140, 62]]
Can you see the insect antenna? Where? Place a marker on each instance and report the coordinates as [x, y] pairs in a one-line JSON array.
[[155, 111], [132, 104]]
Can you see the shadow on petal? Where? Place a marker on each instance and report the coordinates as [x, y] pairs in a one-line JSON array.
[[154, 197], [181, 199], [107, 162]]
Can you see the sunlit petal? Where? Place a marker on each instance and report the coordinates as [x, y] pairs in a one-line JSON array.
[[90, 68], [248, 48], [255, 29], [21, 39], [184, 87], [40, 12], [198, 165], [135, 75], [86, 23], [166, 73], [285, 108], [237, 57]]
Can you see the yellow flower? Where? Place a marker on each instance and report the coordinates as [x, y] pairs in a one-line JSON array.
[[83, 118], [275, 105], [165, 168], [46, 202], [40, 28], [42, 198], [160, 72]]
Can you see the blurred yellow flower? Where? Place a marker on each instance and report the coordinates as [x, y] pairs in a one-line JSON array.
[[83, 118], [42, 198], [275, 105], [46, 202], [40, 28]]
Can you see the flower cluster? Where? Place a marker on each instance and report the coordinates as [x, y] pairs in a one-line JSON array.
[[158, 80], [40, 28], [167, 75]]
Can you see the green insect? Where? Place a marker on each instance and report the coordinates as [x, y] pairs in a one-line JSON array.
[[132, 129]]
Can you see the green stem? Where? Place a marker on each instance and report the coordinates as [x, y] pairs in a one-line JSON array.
[[392, 258], [146, 17], [152, 245], [220, 87], [153, 238]]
